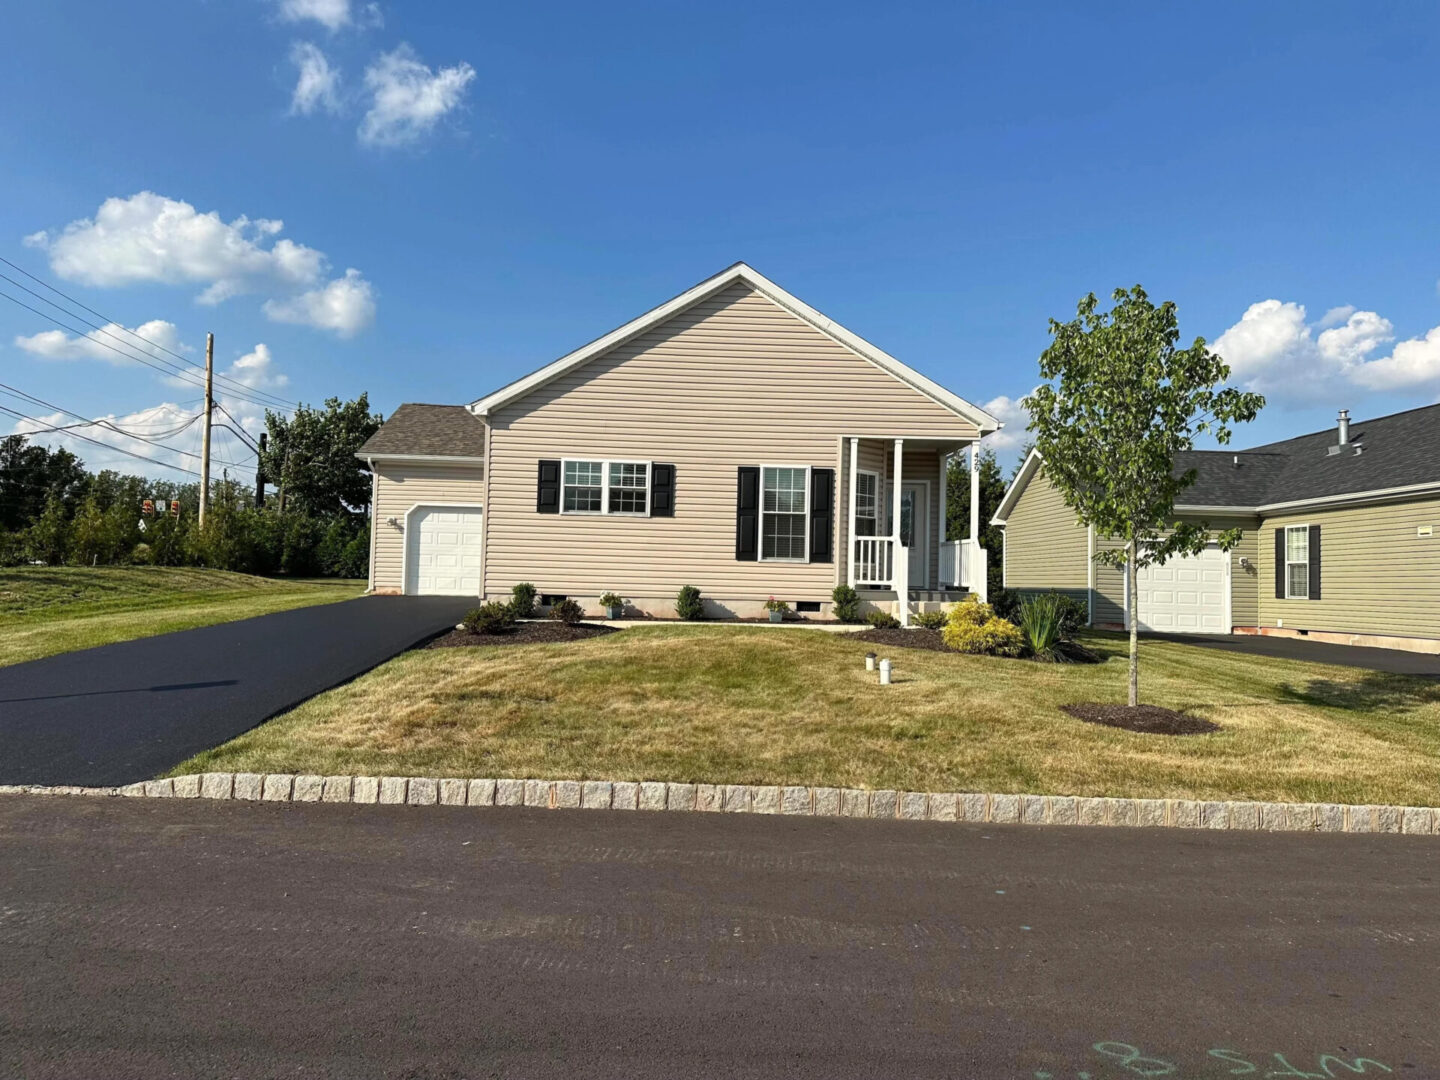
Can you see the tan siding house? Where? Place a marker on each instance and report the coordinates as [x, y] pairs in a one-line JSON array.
[[1340, 540], [710, 443]]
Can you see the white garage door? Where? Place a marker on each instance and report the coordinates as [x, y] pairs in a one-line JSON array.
[[1187, 595], [442, 551]]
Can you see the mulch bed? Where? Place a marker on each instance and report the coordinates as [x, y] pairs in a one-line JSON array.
[[914, 638], [526, 633], [919, 638], [1146, 719]]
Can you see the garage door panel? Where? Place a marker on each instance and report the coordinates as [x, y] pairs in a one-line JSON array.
[[1185, 596], [443, 552]]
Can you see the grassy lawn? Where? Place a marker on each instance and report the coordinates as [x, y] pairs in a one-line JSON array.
[[737, 705], [53, 609]]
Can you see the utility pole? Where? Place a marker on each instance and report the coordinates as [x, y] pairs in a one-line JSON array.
[[209, 415], [260, 473]]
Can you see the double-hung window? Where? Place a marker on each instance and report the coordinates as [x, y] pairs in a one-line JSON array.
[[629, 490], [584, 487], [1297, 562], [606, 487], [867, 504], [784, 512]]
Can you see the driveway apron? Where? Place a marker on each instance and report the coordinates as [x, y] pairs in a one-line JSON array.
[[129, 711]]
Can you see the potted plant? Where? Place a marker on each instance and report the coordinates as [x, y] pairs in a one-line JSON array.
[[777, 609], [614, 603]]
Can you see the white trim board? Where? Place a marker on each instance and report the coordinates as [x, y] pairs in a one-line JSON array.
[[740, 272]]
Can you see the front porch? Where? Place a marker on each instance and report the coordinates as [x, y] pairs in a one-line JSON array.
[[889, 554]]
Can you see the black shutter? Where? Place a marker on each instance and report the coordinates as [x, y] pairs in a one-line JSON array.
[[662, 490], [1280, 564], [547, 491], [747, 513], [1314, 562], [822, 515]]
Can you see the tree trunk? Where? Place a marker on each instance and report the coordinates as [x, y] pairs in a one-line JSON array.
[[1132, 602]]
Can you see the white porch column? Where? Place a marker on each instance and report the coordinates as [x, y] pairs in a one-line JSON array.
[[901, 568], [940, 528], [850, 515], [975, 493]]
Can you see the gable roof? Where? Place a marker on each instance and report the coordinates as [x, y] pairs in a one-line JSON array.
[[739, 272], [1390, 455], [427, 431]]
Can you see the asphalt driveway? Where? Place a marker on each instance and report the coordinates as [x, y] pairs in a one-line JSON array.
[[125, 712], [1394, 661]]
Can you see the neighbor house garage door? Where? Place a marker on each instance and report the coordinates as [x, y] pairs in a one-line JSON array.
[[442, 551], [1187, 595]]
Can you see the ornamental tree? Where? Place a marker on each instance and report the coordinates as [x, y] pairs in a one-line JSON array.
[[1119, 401]]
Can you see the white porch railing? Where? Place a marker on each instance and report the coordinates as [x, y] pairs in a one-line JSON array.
[[874, 561], [966, 564]]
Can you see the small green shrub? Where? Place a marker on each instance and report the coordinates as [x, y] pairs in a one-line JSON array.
[[611, 599], [970, 612], [490, 618], [882, 620], [567, 611], [1006, 603], [1073, 615], [846, 602], [776, 605], [1042, 621], [688, 604], [522, 599], [931, 620]]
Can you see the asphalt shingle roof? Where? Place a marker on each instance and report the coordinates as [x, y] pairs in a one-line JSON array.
[[1386, 452], [438, 430]]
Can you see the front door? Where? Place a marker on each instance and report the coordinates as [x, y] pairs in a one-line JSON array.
[[915, 531]]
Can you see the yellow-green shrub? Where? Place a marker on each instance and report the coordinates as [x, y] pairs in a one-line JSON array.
[[973, 628]]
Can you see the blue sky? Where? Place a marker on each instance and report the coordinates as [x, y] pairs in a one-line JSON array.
[[510, 181]]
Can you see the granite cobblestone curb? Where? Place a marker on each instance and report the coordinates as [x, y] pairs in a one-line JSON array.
[[791, 800]]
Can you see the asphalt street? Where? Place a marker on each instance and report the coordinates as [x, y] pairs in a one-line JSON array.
[[154, 938], [130, 711]]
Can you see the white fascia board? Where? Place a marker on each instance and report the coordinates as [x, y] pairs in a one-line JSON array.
[[797, 307], [1377, 495], [453, 458], [1017, 487]]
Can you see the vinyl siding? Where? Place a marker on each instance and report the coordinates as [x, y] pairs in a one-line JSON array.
[[1044, 548], [1377, 576], [735, 380], [398, 487], [1244, 582]]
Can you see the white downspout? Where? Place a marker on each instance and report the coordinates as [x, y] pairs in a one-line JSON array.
[[850, 516]]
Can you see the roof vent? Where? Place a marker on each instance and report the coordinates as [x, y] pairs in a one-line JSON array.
[[1344, 427], [1235, 460]]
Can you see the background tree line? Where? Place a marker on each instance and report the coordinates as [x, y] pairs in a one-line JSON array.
[[315, 522]]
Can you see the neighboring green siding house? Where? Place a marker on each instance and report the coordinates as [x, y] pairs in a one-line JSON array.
[[1341, 540]]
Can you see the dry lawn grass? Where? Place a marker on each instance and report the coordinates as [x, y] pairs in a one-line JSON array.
[[738, 705]]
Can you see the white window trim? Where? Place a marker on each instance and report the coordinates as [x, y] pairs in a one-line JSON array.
[[1305, 529], [879, 498], [760, 534], [605, 464]]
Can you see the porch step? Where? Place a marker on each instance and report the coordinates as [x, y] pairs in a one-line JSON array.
[[937, 596]]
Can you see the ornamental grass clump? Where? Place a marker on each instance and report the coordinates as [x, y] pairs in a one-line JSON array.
[[1042, 621], [973, 627]]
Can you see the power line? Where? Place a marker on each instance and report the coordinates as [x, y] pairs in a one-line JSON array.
[[170, 371], [112, 322], [23, 395], [241, 434], [108, 446]]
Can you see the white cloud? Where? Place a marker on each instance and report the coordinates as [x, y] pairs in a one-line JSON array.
[[151, 238], [332, 14], [408, 98], [108, 343], [1274, 350], [317, 84], [345, 305], [1010, 412]]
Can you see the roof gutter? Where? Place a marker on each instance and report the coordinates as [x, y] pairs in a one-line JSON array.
[[461, 459]]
